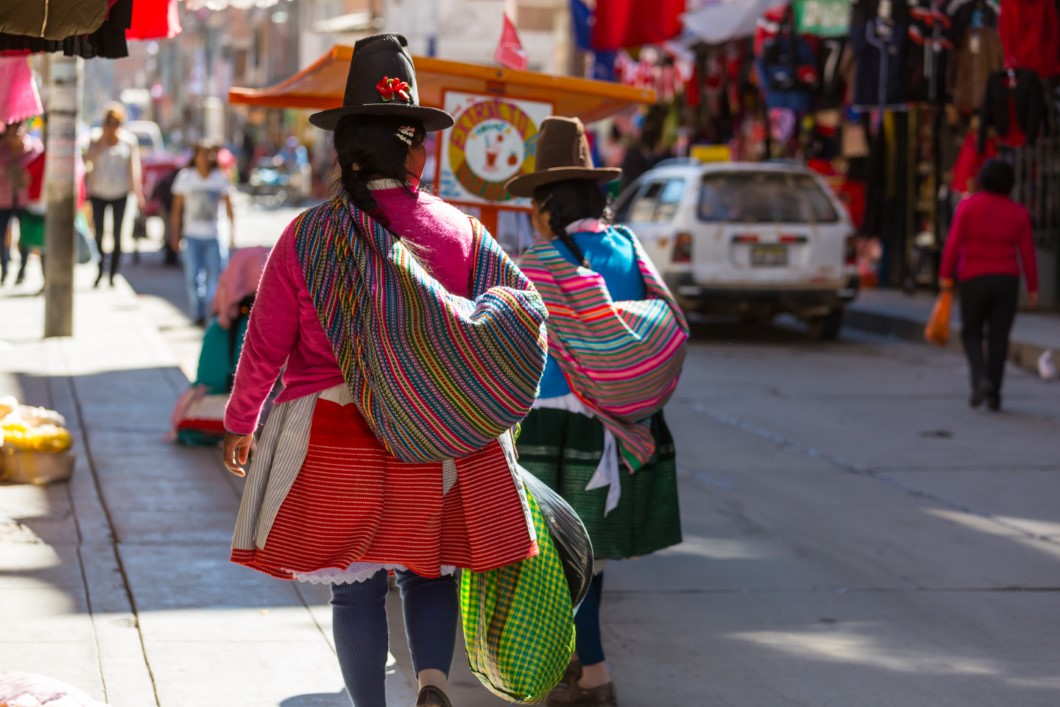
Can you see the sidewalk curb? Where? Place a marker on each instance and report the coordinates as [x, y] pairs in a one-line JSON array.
[[1023, 354]]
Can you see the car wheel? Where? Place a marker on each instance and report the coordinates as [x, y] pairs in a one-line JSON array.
[[826, 327]]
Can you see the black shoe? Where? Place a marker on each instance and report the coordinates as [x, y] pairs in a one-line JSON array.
[[981, 392], [201, 322], [112, 281], [431, 696], [20, 277], [993, 403], [99, 279]]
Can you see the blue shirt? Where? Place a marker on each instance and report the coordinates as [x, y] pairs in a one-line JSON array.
[[611, 254]]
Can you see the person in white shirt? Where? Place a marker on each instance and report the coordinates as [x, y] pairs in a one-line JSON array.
[[198, 192], [114, 172]]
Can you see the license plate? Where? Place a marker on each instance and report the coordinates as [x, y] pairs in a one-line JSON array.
[[769, 255]]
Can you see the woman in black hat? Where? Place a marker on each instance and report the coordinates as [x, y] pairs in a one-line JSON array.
[[325, 501], [619, 477]]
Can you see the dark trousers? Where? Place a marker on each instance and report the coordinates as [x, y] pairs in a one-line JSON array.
[[431, 608], [117, 207], [988, 308], [587, 640], [5, 253]]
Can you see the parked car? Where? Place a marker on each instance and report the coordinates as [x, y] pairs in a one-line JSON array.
[[751, 239], [277, 182]]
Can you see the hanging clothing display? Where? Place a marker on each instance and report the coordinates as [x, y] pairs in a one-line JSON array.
[[969, 161], [1014, 107], [154, 19], [930, 52], [880, 83], [979, 56], [107, 42], [1030, 33], [53, 20], [18, 91], [836, 67], [786, 62]]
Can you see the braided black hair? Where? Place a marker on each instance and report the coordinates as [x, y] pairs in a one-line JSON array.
[[367, 147], [570, 201]]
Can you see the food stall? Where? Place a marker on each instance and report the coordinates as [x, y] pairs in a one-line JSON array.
[[497, 113]]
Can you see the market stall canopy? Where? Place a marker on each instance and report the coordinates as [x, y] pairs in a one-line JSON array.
[[321, 86], [719, 21]]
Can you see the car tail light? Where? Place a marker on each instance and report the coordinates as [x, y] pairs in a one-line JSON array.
[[850, 256], [745, 238], [793, 239], [682, 252]]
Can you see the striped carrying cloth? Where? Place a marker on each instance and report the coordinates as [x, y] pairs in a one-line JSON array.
[[622, 359], [435, 375]]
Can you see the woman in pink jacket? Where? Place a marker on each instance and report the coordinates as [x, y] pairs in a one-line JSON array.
[[324, 501], [989, 240]]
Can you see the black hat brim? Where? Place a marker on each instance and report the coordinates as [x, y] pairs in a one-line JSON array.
[[432, 119], [525, 184]]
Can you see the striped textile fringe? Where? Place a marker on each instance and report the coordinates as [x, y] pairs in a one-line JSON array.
[[622, 359], [435, 375]]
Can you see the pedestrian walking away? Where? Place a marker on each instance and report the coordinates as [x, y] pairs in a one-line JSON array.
[[989, 240], [17, 151], [347, 311], [599, 414], [199, 190], [114, 172]]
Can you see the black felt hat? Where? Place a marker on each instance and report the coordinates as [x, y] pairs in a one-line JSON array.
[[382, 81]]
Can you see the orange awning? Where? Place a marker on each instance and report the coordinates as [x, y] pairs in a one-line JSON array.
[[321, 86]]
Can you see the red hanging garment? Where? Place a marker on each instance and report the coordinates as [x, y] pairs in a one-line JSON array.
[[154, 19], [633, 23], [1030, 34]]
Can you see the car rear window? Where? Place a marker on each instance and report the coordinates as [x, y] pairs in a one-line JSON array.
[[764, 197], [656, 202]]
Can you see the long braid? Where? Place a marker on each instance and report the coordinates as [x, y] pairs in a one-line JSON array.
[[559, 230]]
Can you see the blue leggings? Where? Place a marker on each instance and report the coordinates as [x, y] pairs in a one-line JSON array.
[[362, 638], [589, 645]]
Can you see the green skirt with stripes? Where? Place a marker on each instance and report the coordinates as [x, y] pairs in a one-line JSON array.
[[564, 448]]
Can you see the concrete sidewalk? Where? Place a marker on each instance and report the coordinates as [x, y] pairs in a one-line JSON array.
[[896, 314], [119, 582]]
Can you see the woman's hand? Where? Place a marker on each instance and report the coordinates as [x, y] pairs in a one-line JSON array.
[[1032, 300], [236, 452], [946, 284]]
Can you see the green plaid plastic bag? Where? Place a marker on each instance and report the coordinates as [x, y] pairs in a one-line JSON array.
[[519, 622]]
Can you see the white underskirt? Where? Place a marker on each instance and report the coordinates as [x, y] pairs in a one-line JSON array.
[[606, 474]]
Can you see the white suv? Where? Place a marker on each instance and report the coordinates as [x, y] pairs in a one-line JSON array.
[[752, 239]]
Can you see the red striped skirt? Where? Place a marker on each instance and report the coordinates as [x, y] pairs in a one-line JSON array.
[[352, 502]]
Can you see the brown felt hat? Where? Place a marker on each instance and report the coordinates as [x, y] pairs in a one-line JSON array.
[[562, 154]]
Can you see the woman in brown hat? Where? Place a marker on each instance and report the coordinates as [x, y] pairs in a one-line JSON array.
[[326, 501], [575, 439]]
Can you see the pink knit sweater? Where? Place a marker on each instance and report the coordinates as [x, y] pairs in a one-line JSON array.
[[284, 327]]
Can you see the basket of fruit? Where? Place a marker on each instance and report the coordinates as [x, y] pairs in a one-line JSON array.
[[35, 445]]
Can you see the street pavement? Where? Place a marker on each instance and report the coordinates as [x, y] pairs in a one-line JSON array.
[[855, 535]]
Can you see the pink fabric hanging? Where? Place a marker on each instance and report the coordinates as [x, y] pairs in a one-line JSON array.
[[154, 19], [18, 91]]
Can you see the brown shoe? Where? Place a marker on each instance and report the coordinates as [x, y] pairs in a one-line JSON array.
[[572, 694], [431, 696], [573, 672]]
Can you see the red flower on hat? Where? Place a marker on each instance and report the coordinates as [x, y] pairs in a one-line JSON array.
[[389, 88]]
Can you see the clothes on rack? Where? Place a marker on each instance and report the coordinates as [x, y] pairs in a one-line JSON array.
[[106, 42], [979, 55], [879, 47], [1030, 33], [1014, 107]]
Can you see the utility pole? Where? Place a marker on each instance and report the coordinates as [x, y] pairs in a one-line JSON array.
[[64, 104]]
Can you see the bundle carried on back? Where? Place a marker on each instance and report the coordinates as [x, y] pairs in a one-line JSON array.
[[622, 359], [436, 376]]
